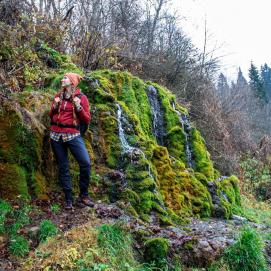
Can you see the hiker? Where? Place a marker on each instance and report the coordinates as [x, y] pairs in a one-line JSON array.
[[69, 110]]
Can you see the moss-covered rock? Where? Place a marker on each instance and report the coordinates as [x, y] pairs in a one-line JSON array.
[[155, 250], [13, 181], [157, 178], [229, 193], [203, 162]]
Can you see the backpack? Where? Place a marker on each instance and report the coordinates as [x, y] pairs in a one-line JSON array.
[[83, 127]]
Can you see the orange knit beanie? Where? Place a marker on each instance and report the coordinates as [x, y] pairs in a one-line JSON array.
[[74, 77]]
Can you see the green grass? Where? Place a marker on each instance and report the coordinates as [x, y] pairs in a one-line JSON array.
[[20, 218], [47, 229], [5, 209], [18, 246], [246, 254], [254, 210], [55, 208], [117, 244]]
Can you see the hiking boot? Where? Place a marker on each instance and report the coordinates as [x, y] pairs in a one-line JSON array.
[[84, 201], [68, 205]]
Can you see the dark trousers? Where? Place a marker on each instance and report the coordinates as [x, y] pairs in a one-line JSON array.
[[79, 151]]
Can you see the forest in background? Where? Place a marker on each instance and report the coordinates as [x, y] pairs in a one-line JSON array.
[[145, 38], [42, 39]]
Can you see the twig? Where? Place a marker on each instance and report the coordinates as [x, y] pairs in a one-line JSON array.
[[13, 71]]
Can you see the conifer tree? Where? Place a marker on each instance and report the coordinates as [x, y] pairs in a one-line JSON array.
[[241, 80], [222, 84], [255, 83], [266, 80]]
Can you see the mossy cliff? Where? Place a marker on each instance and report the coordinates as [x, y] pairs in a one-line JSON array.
[[137, 143]]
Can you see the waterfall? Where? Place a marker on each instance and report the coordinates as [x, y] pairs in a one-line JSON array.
[[157, 115], [129, 149], [186, 128], [124, 143]]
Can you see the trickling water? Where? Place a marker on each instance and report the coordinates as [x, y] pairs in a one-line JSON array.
[[186, 128], [221, 178], [129, 149], [125, 145], [157, 115]]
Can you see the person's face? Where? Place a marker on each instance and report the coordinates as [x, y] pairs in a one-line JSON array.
[[66, 82]]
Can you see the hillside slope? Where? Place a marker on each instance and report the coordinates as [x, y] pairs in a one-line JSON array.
[[143, 149]]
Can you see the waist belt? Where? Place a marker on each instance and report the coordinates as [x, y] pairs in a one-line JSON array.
[[66, 125]]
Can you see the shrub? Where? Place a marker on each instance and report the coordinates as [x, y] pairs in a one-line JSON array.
[[156, 250], [118, 246], [18, 246], [55, 208], [5, 208], [256, 176], [21, 218], [247, 253], [47, 229]]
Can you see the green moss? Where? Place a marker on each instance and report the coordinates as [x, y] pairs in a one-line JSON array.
[[13, 182], [146, 201], [201, 200], [166, 97], [52, 81], [173, 192], [165, 220], [229, 193], [108, 132], [203, 162], [202, 178], [55, 59], [6, 53], [182, 192], [130, 196], [189, 245], [216, 174], [130, 210], [175, 142], [39, 185], [156, 250], [145, 184], [19, 144]]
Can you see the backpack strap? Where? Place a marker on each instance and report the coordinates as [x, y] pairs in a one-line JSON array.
[[79, 95], [83, 126]]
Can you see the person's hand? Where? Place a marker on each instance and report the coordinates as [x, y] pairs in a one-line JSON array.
[[77, 101], [57, 100]]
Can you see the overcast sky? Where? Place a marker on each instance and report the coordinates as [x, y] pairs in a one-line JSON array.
[[241, 27]]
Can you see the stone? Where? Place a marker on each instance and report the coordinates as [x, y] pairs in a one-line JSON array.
[[239, 219], [33, 231]]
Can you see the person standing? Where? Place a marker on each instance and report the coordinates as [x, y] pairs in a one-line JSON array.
[[70, 108]]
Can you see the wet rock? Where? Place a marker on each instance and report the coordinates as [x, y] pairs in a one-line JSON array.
[[92, 82], [157, 114], [218, 210], [116, 175], [108, 211], [239, 219], [33, 231]]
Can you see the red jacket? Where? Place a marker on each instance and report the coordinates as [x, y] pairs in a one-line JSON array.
[[65, 115]]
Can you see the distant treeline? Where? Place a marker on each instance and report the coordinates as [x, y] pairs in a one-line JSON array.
[[259, 82]]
